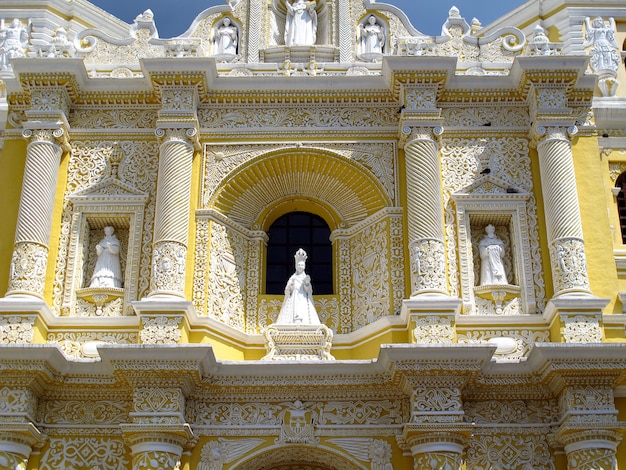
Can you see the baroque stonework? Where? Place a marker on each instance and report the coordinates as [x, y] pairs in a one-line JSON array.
[[16, 329]]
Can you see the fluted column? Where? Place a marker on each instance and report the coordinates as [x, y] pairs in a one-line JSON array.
[[34, 220], [563, 223], [171, 225], [425, 211]]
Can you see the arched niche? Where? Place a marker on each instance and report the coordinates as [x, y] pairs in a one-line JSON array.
[[366, 239]]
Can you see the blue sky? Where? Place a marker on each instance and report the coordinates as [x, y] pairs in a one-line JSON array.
[[173, 17]]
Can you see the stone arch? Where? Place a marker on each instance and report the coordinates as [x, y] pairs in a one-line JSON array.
[[300, 457], [345, 191]]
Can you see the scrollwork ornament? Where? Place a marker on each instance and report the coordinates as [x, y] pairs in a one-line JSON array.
[[444, 460], [28, 268], [591, 459], [570, 264], [428, 265], [434, 329], [156, 459], [581, 329], [86, 452], [168, 267], [160, 329], [16, 329]]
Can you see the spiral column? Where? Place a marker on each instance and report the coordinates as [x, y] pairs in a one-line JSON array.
[[34, 220], [425, 211], [563, 222], [172, 211]]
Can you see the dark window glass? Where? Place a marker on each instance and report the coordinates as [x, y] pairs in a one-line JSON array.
[[290, 232], [621, 204]]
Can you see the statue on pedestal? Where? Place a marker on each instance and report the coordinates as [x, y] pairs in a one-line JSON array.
[[13, 42], [491, 250], [298, 307], [301, 23], [108, 272]]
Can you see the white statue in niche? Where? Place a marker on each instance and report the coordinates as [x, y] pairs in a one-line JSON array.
[[372, 38], [491, 250], [298, 307], [301, 23], [226, 38], [108, 272]]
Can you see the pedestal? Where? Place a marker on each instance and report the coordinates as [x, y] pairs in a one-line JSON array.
[[298, 342]]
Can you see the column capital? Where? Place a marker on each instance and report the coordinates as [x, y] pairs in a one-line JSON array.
[[180, 133], [544, 132], [419, 131], [53, 133]]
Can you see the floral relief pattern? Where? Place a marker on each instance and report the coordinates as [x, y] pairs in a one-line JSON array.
[[16, 329], [85, 453]]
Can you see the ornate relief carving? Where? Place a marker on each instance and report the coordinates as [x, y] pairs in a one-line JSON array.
[[511, 411], [428, 261], [73, 343], [49, 99], [113, 118], [85, 452], [158, 400], [447, 460], [581, 328], [436, 405], [496, 116], [16, 329], [588, 404], [156, 459], [221, 161], [332, 413], [434, 329], [13, 461], [495, 449], [168, 267], [28, 268], [178, 99], [103, 412], [307, 117], [227, 268], [200, 266], [370, 271], [524, 340], [551, 98], [375, 451], [20, 402], [591, 459], [568, 256], [91, 162], [507, 158], [160, 329], [297, 426], [218, 452], [616, 169]]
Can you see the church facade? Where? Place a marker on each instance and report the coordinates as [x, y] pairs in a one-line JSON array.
[[458, 202]]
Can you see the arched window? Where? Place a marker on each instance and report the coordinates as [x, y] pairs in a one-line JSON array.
[[290, 232], [621, 204]]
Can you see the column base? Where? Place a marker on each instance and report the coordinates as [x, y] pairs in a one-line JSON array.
[[579, 316]]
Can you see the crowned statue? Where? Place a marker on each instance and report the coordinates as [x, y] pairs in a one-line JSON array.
[[298, 307]]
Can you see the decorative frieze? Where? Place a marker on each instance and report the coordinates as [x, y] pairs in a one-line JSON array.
[[160, 329]]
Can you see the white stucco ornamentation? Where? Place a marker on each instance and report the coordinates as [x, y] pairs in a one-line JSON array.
[[160, 329]]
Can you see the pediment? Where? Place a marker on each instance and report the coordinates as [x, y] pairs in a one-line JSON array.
[[110, 190], [488, 187]]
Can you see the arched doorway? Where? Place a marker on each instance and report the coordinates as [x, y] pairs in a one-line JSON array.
[[298, 458]]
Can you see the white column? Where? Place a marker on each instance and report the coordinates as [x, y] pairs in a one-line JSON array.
[[563, 223], [425, 211], [171, 225], [34, 220]]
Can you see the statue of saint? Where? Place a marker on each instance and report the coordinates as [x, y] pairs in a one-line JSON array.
[[108, 272], [13, 42], [372, 37], [298, 305], [602, 37], [226, 38], [491, 250], [301, 23]]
